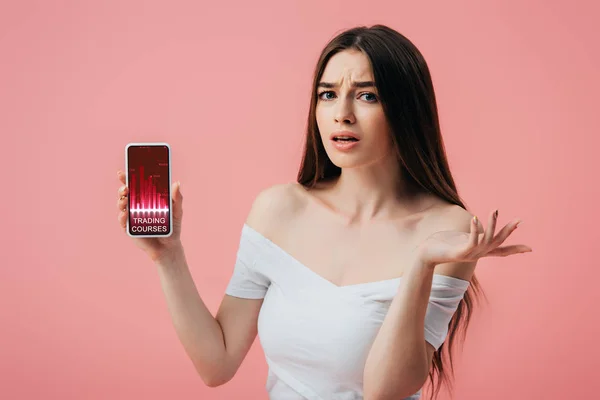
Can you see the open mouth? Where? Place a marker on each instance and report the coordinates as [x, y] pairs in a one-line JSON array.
[[345, 139]]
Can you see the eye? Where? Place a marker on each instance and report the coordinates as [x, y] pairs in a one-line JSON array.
[[322, 93], [373, 99]]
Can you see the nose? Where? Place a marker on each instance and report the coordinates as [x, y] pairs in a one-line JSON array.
[[344, 112]]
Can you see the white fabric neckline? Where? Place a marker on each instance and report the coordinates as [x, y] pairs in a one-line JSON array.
[[391, 281]]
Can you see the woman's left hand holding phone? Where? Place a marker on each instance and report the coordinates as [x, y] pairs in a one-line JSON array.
[[160, 247]]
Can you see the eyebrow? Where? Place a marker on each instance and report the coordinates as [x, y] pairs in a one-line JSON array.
[[364, 84]]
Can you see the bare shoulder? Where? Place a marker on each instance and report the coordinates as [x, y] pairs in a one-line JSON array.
[[456, 218], [274, 206], [448, 217], [451, 216]]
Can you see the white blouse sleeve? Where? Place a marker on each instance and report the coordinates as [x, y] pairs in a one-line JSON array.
[[446, 294], [247, 280]]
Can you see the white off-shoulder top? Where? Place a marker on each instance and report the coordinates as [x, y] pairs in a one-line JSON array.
[[316, 335]]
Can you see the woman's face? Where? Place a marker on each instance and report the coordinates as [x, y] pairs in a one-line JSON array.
[[347, 102]]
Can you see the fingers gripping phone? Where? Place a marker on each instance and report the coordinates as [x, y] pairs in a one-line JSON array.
[[148, 177]]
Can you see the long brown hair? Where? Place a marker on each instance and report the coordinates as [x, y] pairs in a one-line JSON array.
[[406, 93]]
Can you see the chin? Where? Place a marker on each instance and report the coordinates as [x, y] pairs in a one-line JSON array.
[[356, 160], [346, 160]]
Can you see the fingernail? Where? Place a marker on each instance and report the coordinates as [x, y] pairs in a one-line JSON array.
[[179, 185], [496, 214], [475, 219], [518, 223]]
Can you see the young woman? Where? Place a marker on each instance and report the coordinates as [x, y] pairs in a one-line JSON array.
[[355, 275]]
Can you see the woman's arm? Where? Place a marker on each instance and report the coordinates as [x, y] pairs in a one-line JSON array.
[[397, 365], [218, 345], [201, 334], [400, 359], [197, 329]]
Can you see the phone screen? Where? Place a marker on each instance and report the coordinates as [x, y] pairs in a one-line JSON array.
[[149, 182]]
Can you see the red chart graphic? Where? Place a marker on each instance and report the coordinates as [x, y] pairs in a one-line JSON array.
[[144, 194]]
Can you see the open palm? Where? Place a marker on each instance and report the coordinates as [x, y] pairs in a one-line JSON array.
[[454, 246]]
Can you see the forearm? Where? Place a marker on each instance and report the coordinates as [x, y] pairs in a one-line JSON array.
[[197, 329], [397, 364]]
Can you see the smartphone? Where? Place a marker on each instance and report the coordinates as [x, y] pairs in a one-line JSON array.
[[148, 178]]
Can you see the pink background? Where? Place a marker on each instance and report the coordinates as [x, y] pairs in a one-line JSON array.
[[227, 85]]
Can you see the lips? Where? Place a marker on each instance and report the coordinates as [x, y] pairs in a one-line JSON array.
[[347, 136], [344, 140]]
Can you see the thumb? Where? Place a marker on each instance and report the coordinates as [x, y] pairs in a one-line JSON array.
[[177, 200]]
